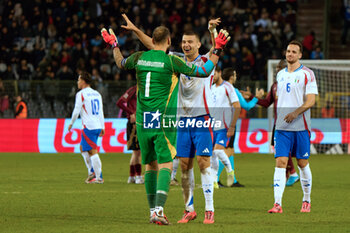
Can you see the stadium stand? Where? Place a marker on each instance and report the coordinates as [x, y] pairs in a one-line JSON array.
[[45, 43]]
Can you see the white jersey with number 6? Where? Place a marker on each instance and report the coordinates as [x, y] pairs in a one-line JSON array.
[[88, 104], [292, 89]]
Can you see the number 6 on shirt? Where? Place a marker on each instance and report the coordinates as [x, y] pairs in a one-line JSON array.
[[288, 87]]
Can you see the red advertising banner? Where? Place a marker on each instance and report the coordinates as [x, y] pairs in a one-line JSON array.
[[20, 135], [52, 135]]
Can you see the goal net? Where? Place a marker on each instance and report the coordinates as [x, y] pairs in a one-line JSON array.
[[330, 115]]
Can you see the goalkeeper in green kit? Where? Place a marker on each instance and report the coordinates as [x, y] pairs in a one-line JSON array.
[[157, 81]]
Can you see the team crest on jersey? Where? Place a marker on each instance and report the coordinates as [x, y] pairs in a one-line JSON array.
[[151, 120]]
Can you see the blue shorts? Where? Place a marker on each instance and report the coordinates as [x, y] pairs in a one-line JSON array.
[[194, 140], [89, 139], [295, 142], [220, 137]]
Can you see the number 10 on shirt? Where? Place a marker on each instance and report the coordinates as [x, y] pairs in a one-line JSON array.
[[95, 106]]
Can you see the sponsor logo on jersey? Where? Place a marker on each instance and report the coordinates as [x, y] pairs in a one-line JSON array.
[[150, 63], [151, 120], [206, 150]]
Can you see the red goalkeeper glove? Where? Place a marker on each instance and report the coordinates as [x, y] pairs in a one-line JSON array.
[[110, 37], [222, 39]]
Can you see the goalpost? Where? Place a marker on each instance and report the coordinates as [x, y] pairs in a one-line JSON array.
[[333, 82]]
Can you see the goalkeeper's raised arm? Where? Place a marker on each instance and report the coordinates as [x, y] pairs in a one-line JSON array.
[[145, 39], [163, 45]]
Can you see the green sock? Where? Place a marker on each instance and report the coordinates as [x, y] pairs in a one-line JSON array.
[[151, 187], [163, 186]]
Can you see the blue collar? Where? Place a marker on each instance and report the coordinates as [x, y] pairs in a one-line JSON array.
[[194, 59], [300, 67], [223, 81]]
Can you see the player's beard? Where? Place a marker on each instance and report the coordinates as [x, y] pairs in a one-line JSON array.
[[292, 61]]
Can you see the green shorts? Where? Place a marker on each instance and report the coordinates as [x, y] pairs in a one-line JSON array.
[[156, 144]]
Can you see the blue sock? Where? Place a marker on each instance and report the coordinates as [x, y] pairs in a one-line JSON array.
[[233, 167], [221, 167]]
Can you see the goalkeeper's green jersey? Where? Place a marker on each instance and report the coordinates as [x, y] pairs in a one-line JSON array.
[[157, 85], [157, 80]]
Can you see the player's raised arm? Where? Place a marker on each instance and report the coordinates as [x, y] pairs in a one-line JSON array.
[[213, 32], [122, 63], [180, 66], [145, 39], [111, 39]]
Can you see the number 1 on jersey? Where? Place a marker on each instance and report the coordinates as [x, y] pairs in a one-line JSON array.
[[148, 83]]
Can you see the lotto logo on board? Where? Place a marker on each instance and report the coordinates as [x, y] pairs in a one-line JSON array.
[[151, 120]]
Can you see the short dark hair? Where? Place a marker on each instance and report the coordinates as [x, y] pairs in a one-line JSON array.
[[86, 77], [227, 73], [218, 68], [295, 42], [160, 34], [191, 33]]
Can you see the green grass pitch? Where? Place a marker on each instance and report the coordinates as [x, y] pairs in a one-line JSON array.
[[47, 193]]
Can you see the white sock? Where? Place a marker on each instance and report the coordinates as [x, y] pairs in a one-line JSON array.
[[306, 182], [175, 166], [159, 210], [224, 159], [187, 189], [97, 165], [294, 174], [279, 183], [208, 190], [214, 164], [151, 211], [87, 161]]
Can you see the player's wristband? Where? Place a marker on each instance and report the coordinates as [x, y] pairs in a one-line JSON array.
[[217, 52], [115, 45]]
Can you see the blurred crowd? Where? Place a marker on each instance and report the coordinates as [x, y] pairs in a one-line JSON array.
[[54, 40]]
